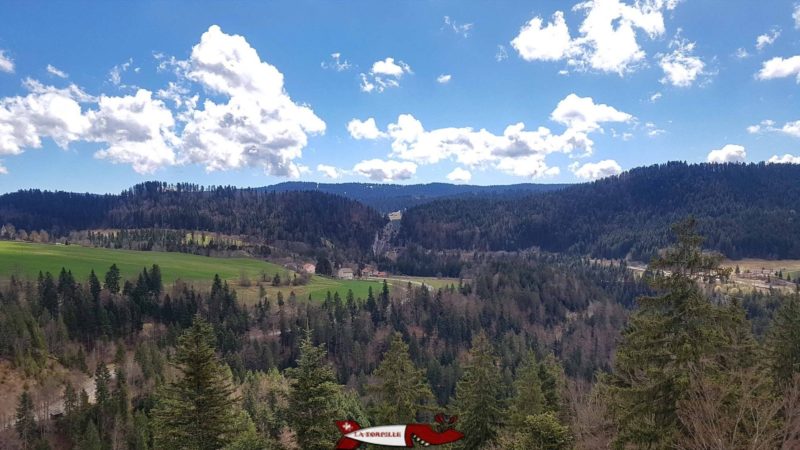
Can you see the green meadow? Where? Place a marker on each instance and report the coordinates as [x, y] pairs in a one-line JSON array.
[[26, 260]]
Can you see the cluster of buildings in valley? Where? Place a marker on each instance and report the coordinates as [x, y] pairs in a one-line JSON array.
[[348, 273]]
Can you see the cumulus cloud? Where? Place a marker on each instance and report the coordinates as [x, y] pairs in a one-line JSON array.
[[3, 169], [336, 63], [45, 112], [517, 151], [537, 41], [444, 78], [785, 159], [681, 68], [138, 130], [767, 38], [383, 75], [366, 129], [780, 68], [259, 126], [768, 126], [460, 29], [6, 63], [380, 170], [656, 97], [251, 122], [606, 40], [728, 153], [330, 171], [52, 70], [459, 175], [594, 171]]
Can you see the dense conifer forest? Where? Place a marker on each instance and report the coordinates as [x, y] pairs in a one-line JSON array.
[[744, 210], [312, 218]]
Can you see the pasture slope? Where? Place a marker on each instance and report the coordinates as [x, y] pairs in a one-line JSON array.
[[26, 260]]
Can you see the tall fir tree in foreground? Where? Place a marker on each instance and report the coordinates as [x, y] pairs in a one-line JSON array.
[[668, 337], [313, 398], [477, 401], [402, 388], [197, 411], [783, 342]]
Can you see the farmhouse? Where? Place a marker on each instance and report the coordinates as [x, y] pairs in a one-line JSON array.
[[345, 273], [309, 268]]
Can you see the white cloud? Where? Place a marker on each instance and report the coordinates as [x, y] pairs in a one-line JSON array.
[[789, 128], [741, 53], [767, 38], [536, 41], [792, 128], [52, 70], [728, 153], [653, 130], [46, 112], [796, 15], [459, 175], [259, 126], [380, 170], [3, 169], [594, 171], [517, 151], [115, 74], [584, 115], [606, 40], [444, 78], [330, 171], [336, 63], [366, 129], [656, 97], [681, 68], [138, 130], [530, 166], [384, 74], [6, 63], [785, 159], [780, 68], [462, 29], [501, 54]]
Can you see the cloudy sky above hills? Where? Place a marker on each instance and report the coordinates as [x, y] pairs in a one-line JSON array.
[[98, 96]]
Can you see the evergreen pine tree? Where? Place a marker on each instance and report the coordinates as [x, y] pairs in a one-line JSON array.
[[477, 399], [313, 398], [665, 337], [112, 279], [783, 342], [528, 398], [402, 388], [25, 425], [91, 438], [197, 410]]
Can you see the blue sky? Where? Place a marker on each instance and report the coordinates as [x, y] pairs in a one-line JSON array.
[[97, 96]]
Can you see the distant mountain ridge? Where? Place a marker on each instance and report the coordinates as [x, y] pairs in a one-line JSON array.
[[394, 197]]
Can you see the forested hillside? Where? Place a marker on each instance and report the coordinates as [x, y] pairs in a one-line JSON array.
[[308, 217], [523, 353], [395, 197], [743, 211]]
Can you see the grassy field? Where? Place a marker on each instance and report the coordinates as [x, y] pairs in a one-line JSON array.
[[27, 259]]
